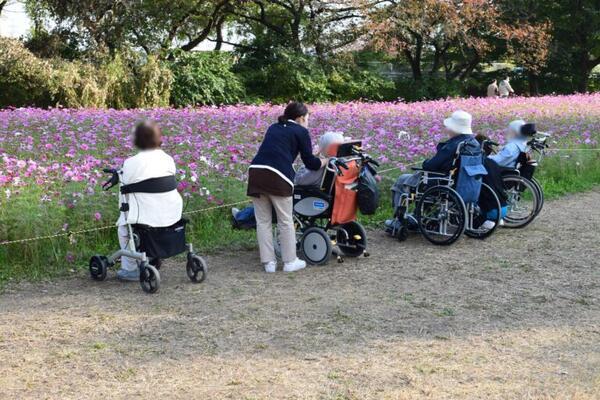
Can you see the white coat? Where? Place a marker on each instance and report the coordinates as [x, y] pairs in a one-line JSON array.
[[153, 209]]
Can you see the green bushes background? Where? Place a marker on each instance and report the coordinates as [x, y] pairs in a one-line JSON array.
[[128, 79]]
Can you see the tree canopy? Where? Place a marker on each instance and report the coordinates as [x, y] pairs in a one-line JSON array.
[[434, 39]]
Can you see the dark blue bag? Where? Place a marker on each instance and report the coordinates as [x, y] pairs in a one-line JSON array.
[[470, 174], [245, 219]]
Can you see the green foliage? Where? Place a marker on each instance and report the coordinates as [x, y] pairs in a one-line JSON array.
[[124, 81], [24, 79], [204, 78], [286, 76], [428, 88], [153, 84], [347, 81], [76, 85]]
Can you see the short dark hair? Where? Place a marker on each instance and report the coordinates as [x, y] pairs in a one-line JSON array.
[[147, 136], [294, 110], [481, 138]]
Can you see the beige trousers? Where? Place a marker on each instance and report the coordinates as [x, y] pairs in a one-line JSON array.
[[283, 206]]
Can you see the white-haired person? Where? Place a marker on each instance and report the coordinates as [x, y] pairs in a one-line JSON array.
[[328, 144], [458, 128], [517, 135]]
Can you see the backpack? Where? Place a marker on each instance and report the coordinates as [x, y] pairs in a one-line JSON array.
[[367, 191]]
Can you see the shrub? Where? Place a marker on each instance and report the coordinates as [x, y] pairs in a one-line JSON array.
[[153, 84], [76, 85], [24, 79], [201, 78], [349, 80], [286, 76]]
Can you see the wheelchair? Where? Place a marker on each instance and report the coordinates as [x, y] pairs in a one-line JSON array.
[[524, 191], [149, 245], [438, 209], [318, 235]]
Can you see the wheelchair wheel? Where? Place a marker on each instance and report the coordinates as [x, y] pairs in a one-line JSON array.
[[540, 192], [475, 217], [522, 201], [352, 239], [196, 268], [98, 267], [149, 278], [441, 215], [316, 246]]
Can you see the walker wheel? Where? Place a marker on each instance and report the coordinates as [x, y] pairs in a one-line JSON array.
[[367, 254], [340, 260], [196, 268], [149, 278], [98, 268]]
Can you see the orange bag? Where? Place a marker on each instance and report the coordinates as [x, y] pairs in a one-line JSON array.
[[345, 204]]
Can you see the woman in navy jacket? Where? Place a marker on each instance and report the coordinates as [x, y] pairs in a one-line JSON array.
[[271, 184]]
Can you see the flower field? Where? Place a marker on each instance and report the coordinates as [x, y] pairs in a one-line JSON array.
[[51, 160]]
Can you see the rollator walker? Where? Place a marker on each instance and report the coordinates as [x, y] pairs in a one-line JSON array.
[[149, 245], [325, 215], [443, 206]]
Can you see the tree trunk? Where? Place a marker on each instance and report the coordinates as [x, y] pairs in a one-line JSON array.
[[534, 87]]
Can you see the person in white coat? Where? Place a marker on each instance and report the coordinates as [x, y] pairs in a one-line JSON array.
[[152, 209], [504, 88]]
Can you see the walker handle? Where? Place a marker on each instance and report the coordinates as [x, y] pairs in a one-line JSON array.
[[114, 179]]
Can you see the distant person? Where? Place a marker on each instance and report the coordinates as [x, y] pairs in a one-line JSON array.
[[492, 89], [504, 88], [271, 184]]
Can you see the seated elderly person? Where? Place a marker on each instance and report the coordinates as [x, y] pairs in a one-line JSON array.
[[328, 144], [517, 135], [152, 209], [458, 127]]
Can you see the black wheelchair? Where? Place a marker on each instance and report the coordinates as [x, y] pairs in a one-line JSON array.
[[317, 236], [435, 207], [524, 192], [150, 244]]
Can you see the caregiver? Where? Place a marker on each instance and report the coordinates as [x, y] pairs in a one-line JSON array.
[[271, 184]]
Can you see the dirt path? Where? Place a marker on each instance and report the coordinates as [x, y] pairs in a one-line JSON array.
[[517, 316]]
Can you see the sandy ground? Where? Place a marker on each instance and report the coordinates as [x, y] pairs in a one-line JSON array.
[[513, 317]]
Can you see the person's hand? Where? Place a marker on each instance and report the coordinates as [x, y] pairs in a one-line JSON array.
[[324, 161]]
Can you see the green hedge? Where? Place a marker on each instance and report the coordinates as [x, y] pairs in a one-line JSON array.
[[125, 81], [201, 78]]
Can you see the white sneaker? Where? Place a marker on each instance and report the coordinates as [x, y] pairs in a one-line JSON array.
[[234, 211], [487, 225], [295, 265], [270, 267]]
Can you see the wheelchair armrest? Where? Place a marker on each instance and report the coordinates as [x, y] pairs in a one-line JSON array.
[[416, 168], [435, 173]]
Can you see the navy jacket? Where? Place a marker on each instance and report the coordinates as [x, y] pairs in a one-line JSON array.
[[281, 146], [446, 152]]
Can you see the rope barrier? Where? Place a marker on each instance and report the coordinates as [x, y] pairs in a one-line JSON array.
[[71, 234]]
